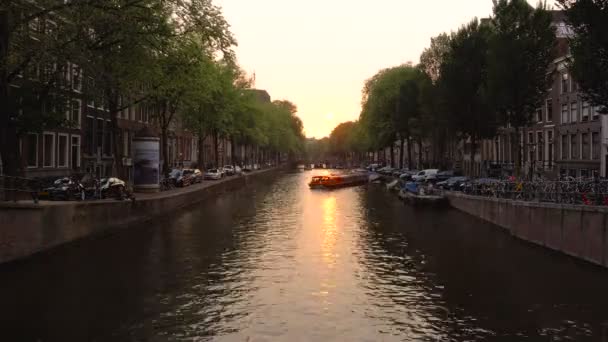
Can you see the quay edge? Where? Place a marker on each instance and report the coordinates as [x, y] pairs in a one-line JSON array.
[[27, 229], [576, 230]]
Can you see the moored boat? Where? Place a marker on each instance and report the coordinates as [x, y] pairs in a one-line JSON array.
[[423, 200], [338, 180]]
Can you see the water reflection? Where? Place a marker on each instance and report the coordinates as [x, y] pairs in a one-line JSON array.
[[329, 230], [276, 261]]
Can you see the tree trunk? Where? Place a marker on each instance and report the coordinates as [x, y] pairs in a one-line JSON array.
[[392, 152], [473, 152], [419, 141], [517, 155], [201, 151], [119, 170], [409, 153], [216, 148], [165, 149], [401, 145], [233, 150], [9, 139]]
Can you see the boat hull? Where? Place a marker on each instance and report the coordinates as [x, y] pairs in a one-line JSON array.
[[337, 181], [423, 200]]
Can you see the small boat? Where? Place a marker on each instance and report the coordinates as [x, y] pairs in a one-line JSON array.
[[392, 185], [415, 195], [334, 181], [423, 200]]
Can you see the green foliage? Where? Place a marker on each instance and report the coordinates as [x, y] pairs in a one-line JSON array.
[[462, 84], [589, 47], [380, 104], [520, 51], [433, 57]]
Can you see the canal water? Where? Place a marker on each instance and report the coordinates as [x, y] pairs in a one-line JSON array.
[[275, 261]]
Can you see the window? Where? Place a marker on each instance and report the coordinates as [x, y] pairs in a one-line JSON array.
[[565, 114], [98, 136], [32, 150], [530, 137], [89, 137], [540, 146], [107, 140], [550, 149], [549, 110], [574, 112], [539, 115], [586, 152], [48, 150], [90, 92], [595, 145], [573, 146], [586, 111], [75, 155], [564, 147], [125, 144], [62, 150], [34, 26], [76, 112], [50, 29], [565, 83], [596, 113], [76, 78]]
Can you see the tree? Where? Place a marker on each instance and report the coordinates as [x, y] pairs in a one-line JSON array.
[[462, 83], [116, 55], [589, 47], [380, 114], [519, 55], [340, 140], [432, 57]]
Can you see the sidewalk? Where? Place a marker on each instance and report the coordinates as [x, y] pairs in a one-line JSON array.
[[139, 196]]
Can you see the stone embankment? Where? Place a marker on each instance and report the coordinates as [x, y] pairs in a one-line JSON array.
[[576, 230], [27, 228]]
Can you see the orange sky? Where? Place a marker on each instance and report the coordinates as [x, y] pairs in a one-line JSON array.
[[318, 53]]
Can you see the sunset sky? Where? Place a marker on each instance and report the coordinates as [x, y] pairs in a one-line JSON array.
[[318, 53]]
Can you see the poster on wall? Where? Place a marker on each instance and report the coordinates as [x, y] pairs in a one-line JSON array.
[[146, 162]]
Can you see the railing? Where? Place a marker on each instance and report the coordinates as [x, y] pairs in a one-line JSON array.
[[19, 188], [585, 192]]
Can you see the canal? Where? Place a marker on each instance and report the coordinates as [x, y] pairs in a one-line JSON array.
[[275, 261]]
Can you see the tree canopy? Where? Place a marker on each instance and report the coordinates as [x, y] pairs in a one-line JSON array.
[[589, 47]]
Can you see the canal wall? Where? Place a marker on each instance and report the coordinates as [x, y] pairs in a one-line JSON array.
[[27, 228], [576, 230]]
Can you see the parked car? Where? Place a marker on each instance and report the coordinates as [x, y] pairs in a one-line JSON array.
[[453, 183], [422, 175], [373, 167], [440, 176], [195, 174], [387, 170], [238, 170], [228, 170], [181, 178], [407, 175], [397, 172], [65, 189], [213, 174]]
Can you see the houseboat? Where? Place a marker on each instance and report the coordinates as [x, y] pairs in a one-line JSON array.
[[337, 181]]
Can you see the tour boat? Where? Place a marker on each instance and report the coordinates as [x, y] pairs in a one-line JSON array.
[[337, 181]]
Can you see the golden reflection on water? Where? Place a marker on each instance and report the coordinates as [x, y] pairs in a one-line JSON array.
[[329, 230]]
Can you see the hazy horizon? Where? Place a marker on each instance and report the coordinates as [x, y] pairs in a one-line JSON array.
[[318, 54]]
